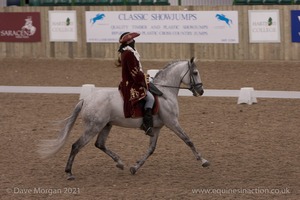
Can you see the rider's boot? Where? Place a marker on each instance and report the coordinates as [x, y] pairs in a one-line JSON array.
[[148, 122]]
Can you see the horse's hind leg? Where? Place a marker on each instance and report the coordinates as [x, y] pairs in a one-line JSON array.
[[100, 143], [81, 142], [152, 146]]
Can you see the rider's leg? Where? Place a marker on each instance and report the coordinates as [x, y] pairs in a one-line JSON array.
[[149, 100], [148, 119]]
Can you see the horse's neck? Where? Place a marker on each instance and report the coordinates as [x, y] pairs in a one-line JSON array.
[[170, 78]]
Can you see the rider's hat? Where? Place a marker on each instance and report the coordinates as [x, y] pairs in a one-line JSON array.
[[127, 36]]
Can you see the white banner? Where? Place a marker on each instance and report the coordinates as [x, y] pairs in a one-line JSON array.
[[62, 26], [164, 26], [264, 26]]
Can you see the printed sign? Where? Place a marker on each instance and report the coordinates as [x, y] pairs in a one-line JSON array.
[[164, 26], [295, 20], [62, 26], [20, 27], [264, 26]]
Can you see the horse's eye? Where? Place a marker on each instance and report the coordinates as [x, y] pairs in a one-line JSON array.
[[195, 73]]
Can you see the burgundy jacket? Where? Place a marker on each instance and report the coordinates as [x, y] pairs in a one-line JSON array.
[[133, 85]]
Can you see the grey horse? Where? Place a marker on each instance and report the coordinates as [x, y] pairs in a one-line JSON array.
[[104, 108]]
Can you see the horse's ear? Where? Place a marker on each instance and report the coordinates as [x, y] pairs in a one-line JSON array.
[[193, 59]]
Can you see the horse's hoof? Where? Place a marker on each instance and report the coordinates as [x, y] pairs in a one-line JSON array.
[[205, 164], [71, 178], [132, 170], [120, 166]]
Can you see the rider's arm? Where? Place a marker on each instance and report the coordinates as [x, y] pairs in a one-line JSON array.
[[134, 68]]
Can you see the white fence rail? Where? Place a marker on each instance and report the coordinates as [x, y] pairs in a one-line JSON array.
[[182, 92]]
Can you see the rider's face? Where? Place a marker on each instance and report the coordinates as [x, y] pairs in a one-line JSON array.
[[131, 44]]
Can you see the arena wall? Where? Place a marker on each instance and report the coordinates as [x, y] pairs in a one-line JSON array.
[[244, 50]]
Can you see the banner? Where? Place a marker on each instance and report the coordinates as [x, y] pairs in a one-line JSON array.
[[62, 26], [264, 26], [295, 23], [164, 26], [20, 27]]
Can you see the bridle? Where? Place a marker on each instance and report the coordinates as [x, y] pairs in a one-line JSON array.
[[193, 84]]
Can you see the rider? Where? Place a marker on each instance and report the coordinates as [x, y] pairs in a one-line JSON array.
[[134, 86]]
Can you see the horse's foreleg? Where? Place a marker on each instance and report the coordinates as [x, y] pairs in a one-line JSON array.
[[100, 143], [151, 149], [80, 143], [180, 133]]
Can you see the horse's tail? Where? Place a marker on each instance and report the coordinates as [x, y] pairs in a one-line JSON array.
[[48, 148]]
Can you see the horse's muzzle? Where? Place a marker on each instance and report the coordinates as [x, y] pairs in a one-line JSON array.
[[197, 90], [201, 92]]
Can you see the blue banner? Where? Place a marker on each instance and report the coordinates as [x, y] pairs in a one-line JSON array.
[[295, 19]]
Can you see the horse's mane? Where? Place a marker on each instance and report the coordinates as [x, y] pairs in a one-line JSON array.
[[169, 65]]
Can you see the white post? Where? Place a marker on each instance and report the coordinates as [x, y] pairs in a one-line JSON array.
[[152, 73], [247, 96]]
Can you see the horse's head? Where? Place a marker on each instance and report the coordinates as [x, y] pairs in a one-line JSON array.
[[178, 72], [192, 78]]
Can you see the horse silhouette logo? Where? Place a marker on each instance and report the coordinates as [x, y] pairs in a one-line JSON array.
[[98, 17], [222, 17]]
